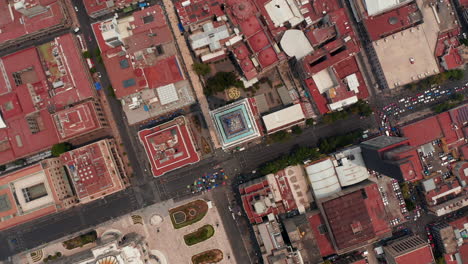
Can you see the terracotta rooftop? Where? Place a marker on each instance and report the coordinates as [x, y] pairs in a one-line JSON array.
[[93, 171], [169, 146], [393, 21], [13, 24]]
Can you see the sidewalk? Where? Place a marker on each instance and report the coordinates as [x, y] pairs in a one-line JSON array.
[[187, 58]]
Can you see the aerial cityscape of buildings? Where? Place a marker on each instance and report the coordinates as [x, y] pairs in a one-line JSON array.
[[234, 131]]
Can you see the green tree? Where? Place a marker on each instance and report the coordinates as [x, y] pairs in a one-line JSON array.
[[458, 97], [296, 130], [97, 52], [456, 74], [309, 122], [440, 260], [221, 81], [2, 167], [201, 68], [19, 162], [60, 148], [279, 136], [405, 190], [110, 91], [87, 54], [409, 205]]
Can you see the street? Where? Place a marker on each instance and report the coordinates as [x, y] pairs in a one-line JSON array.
[[146, 190], [149, 190]]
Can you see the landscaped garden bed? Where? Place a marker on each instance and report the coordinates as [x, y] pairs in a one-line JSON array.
[[80, 241], [200, 235], [188, 214], [209, 256]]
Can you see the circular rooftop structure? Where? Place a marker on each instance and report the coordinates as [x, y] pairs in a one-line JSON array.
[[295, 43], [156, 220], [243, 9]]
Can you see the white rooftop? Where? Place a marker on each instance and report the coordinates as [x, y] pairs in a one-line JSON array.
[[209, 37], [375, 7], [295, 43], [352, 82], [324, 80], [284, 117], [350, 167], [167, 94], [23, 184], [343, 103], [323, 178], [282, 11]]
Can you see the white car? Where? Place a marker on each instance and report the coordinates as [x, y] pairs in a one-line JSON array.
[[76, 9]]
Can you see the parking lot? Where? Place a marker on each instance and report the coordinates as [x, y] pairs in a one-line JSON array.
[[435, 161], [392, 199]]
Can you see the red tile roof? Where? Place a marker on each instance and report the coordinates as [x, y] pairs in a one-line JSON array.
[[422, 132], [244, 14], [410, 164], [448, 130], [356, 217], [91, 171], [391, 22], [258, 41], [198, 10], [267, 57], [250, 26], [323, 240], [243, 54], [464, 253], [421, 255], [164, 72], [435, 127], [75, 121], [95, 6], [342, 69], [463, 3], [241, 9], [18, 101], [262, 188], [128, 75], [319, 99], [13, 217], [447, 49], [169, 146], [13, 24]]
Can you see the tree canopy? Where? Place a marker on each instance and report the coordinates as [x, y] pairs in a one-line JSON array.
[[201, 68], [60, 148], [221, 81]]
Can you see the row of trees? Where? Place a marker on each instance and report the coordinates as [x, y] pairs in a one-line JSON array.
[[301, 154], [455, 100], [331, 144], [436, 79], [361, 108], [295, 157]]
